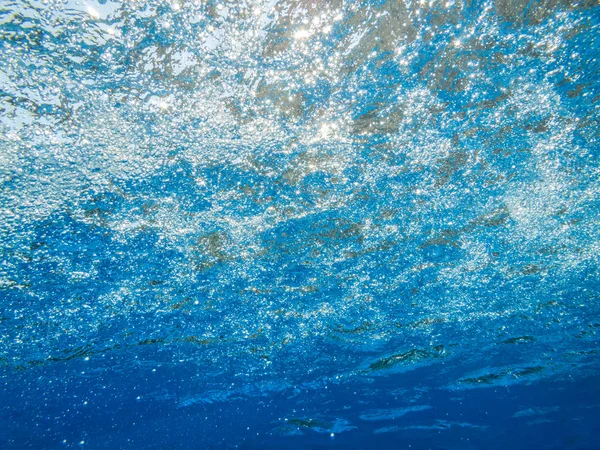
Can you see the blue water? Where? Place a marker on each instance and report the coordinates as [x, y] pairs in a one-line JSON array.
[[271, 224]]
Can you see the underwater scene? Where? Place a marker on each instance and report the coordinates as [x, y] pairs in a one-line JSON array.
[[300, 224]]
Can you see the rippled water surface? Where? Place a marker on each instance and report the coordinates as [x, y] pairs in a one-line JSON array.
[[299, 224]]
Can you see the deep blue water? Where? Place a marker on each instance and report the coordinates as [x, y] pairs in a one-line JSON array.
[[299, 224]]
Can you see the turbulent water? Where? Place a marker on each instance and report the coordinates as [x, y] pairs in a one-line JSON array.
[[299, 224]]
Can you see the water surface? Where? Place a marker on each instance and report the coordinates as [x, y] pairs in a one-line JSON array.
[[299, 224]]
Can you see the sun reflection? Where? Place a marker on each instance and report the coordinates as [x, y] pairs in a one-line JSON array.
[[93, 12], [303, 34]]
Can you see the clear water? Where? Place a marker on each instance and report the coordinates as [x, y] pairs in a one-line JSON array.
[[299, 224]]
